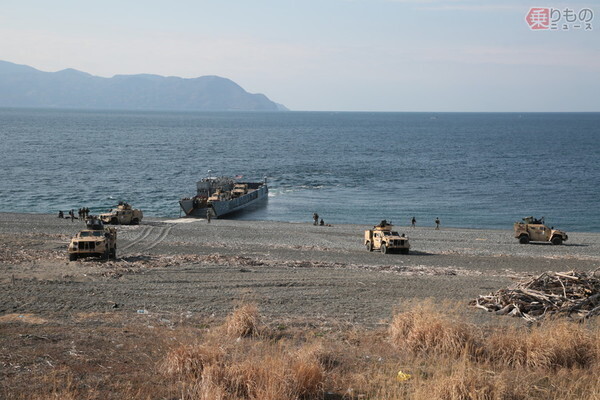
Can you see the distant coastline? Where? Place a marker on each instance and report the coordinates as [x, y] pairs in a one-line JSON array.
[[22, 86]]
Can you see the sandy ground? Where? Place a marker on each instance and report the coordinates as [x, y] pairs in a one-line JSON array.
[[187, 267]]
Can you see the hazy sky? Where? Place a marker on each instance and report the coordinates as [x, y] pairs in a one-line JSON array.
[[339, 55]]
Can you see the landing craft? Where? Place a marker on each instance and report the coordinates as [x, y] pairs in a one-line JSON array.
[[219, 196]]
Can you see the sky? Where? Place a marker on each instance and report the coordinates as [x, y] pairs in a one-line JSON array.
[[327, 55]]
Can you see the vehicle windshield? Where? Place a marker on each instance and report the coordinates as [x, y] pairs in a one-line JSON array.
[[92, 233]]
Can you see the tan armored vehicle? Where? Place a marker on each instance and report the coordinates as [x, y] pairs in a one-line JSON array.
[[124, 214], [95, 241], [239, 189], [383, 238], [534, 230]]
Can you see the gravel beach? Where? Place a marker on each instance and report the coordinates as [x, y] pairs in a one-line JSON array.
[[293, 271]]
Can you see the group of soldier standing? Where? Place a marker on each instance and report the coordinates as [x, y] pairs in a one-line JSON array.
[[82, 212]]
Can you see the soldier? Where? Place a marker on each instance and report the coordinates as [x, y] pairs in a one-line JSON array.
[[322, 222], [72, 214], [60, 214], [315, 218], [437, 223], [413, 222], [208, 215]]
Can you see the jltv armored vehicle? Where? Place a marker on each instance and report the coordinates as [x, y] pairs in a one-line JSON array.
[[96, 240], [123, 214], [386, 240], [534, 230]]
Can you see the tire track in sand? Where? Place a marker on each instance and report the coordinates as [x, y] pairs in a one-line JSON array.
[[143, 235], [164, 232]]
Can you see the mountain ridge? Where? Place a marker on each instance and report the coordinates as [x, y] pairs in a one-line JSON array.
[[22, 86]]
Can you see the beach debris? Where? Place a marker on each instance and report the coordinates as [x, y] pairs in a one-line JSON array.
[[572, 294]]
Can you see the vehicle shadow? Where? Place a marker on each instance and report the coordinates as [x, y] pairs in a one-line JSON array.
[[564, 244], [411, 253]]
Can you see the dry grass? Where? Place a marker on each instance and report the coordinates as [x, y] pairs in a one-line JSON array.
[[551, 345], [243, 322], [466, 381], [241, 358], [189, 362], [245, 366], [426, 330]]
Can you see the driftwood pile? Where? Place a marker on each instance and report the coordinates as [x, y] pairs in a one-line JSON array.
[[572, 294]]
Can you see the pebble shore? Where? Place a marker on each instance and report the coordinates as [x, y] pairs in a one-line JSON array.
[[177, 265]]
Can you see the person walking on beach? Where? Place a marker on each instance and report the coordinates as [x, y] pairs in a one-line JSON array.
[[437, 223], [315, 219], [413, 222]]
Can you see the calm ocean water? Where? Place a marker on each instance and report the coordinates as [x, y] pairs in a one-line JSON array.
[[469, 169]]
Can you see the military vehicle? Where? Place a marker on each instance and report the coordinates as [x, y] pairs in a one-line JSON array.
[[123, 214], [95, 241], [534, 230], [384, 239]]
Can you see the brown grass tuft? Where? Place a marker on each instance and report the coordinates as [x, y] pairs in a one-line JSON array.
[[466, 382], [243, 322], [269, 374], [425, 330], [189, 362], [225, 367], [554, 344]]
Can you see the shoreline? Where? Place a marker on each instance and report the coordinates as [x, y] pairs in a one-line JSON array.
[[442, 227]]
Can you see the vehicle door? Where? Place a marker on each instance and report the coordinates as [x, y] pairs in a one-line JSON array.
[[537, 233], [125, 216], [377, 240]]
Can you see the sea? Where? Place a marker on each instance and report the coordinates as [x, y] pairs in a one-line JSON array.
[[470, 170]]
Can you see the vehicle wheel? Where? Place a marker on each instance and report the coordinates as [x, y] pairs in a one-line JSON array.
[[105, 255], [556, 240], [113, 254], [369, 246], [135, 221], [72, 257], [524, 239], [384, 249], [114, 221], [403, 251]]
